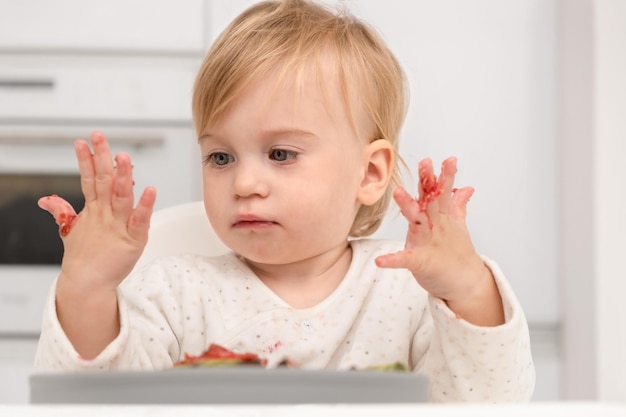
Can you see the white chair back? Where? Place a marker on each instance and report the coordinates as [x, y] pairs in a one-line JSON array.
[[180, 229]]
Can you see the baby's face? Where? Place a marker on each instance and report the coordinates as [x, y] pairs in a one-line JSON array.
[[282, 169]]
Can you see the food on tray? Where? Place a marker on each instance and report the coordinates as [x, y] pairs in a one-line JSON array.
[[396, 366], [217, 355]]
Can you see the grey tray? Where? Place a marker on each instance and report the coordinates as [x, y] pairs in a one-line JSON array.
[[240, 385]]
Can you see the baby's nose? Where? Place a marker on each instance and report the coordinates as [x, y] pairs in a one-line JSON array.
[[250, 180]]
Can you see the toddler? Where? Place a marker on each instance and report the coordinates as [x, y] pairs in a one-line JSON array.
[[298, 111]]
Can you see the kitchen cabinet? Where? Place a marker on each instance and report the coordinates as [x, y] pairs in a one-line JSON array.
[[34, 87], [102, 26]]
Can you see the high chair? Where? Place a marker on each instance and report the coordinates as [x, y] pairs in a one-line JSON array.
[[180, 229]]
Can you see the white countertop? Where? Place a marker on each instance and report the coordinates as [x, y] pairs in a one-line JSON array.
[[563, 409]]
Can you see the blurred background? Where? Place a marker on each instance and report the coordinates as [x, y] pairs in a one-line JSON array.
[[528, 94]]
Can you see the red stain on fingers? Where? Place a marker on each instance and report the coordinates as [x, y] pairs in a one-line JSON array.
[[431, 188], [63, 212], [65, 223]]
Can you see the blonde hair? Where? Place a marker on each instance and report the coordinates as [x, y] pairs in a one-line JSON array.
[[287, 35]]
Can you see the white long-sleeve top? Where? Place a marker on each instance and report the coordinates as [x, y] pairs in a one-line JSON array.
[[376, 316]]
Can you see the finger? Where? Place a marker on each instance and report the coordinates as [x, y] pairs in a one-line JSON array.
[[139, 221], [86, 169], [56, 206], [458, 204], [409, 208], [104, 171], [123, 198], [429, 188], [400, 259], [62, 211], [446, 182], [426, 177]]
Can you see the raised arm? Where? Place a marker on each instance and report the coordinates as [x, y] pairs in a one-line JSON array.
[[439, 251], [101, 245]]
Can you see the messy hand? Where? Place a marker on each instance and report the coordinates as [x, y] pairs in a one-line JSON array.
[[101, 245], [438, 249], [103, 242]]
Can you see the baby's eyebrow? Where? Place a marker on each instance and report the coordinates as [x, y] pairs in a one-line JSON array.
[[204, 136], [287, 132], [269, 134]]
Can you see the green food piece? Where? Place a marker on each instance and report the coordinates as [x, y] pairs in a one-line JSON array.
[[391, 367]]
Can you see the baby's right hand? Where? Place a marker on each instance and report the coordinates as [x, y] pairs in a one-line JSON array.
[[101, 245], [104, 241]]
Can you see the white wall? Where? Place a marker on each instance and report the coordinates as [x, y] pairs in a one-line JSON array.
[[593, 228], [575, 185], [609, 197]]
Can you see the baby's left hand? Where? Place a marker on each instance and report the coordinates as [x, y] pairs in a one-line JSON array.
[[438, 249]]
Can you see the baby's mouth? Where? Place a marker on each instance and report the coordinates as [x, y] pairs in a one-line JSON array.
[[251, 221]]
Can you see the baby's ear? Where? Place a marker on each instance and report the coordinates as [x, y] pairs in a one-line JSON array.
[[378, 168]]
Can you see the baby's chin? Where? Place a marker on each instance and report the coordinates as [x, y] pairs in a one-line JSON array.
[[264, 261], [290, 257]]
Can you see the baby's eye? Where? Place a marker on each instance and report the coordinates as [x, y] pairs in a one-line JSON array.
[[282, 155], [219, 159]]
